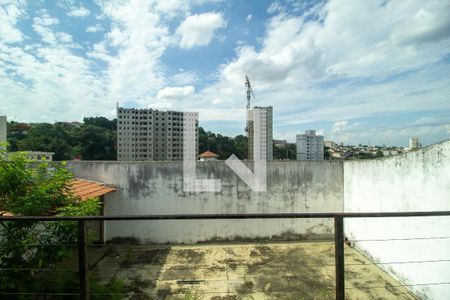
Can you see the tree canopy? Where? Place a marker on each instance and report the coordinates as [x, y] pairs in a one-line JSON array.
[[35, 188], [96, 138], [223, 146]]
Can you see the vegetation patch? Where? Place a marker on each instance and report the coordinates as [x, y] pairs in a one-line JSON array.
[[31, 253], [190, 256], [227, 297], [246, 287]]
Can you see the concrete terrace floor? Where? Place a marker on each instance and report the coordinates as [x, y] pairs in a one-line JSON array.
[[290, 270]]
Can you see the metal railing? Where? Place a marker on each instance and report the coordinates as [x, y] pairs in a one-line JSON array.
[[338, 236]]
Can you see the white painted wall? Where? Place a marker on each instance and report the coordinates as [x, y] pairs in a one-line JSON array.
[[157, 188], [416, 181]]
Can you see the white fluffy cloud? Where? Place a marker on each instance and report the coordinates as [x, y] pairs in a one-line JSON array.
[[61, 84], [53, 82], [335, 62], [430, 23], [346, 47], [139, 37], [344, 126], [78, 12], [346, 41], [185, 78], [198, 30], [44, 26], [176, 92], [9, 14], [94, 28]]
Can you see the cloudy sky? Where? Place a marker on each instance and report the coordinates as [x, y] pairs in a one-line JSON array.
[[356, 71]]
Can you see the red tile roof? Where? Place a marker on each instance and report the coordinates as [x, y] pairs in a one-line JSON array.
[[86, 189], [208, 154], [4, 213]]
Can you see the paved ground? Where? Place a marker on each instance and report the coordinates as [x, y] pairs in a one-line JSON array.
[[300, 270]]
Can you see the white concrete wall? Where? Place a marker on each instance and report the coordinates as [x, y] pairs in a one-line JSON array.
[[157, 188], [416, 181]]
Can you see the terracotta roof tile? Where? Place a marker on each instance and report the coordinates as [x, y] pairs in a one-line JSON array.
[[86, 189], [208, 154], [4, 213]]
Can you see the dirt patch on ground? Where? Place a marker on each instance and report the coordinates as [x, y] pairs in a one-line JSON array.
[[130, 257], [190, 256], [303, 270]]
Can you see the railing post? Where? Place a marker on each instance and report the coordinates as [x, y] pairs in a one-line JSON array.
[[339, 257], [82, 261]]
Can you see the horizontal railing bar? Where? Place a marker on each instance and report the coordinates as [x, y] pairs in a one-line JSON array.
[[231, 216], [401, 239]]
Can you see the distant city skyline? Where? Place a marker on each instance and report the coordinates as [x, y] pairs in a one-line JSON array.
[[322, 65]]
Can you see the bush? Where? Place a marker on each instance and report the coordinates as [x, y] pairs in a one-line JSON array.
[[26, 247]]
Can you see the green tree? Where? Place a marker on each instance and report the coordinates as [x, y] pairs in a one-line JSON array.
[[287, 151], [241, 146], [101, 122], [223, 146], [93, 140], [59, 138], [379, 154], [35, 188], [327, 153], [97, 143]]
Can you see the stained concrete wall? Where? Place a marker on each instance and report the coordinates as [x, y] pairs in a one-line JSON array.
[[416, 181], [157, 188]]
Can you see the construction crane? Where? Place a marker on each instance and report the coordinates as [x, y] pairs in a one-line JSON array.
[[249, 91], [249, 96], [249, 125]]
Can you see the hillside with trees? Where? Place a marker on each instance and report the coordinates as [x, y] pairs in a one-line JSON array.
[[96, 138]]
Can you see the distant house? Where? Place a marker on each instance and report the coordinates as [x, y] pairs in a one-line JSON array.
[[280, 143], [208, 156], [36, 155], [330, 144], [40, 155], [84, 190]]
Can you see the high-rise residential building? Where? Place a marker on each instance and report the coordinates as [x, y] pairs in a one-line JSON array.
[[310, 146], [3, 132], [414, 143], [260, 139], [147, 134]]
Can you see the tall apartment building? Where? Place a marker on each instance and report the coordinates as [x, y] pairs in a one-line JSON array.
[[310, 146], [263, 116], [147, 134], [2, 132], [414, 143]]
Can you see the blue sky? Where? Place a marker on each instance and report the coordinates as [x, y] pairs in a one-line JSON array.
[[355, 71]]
